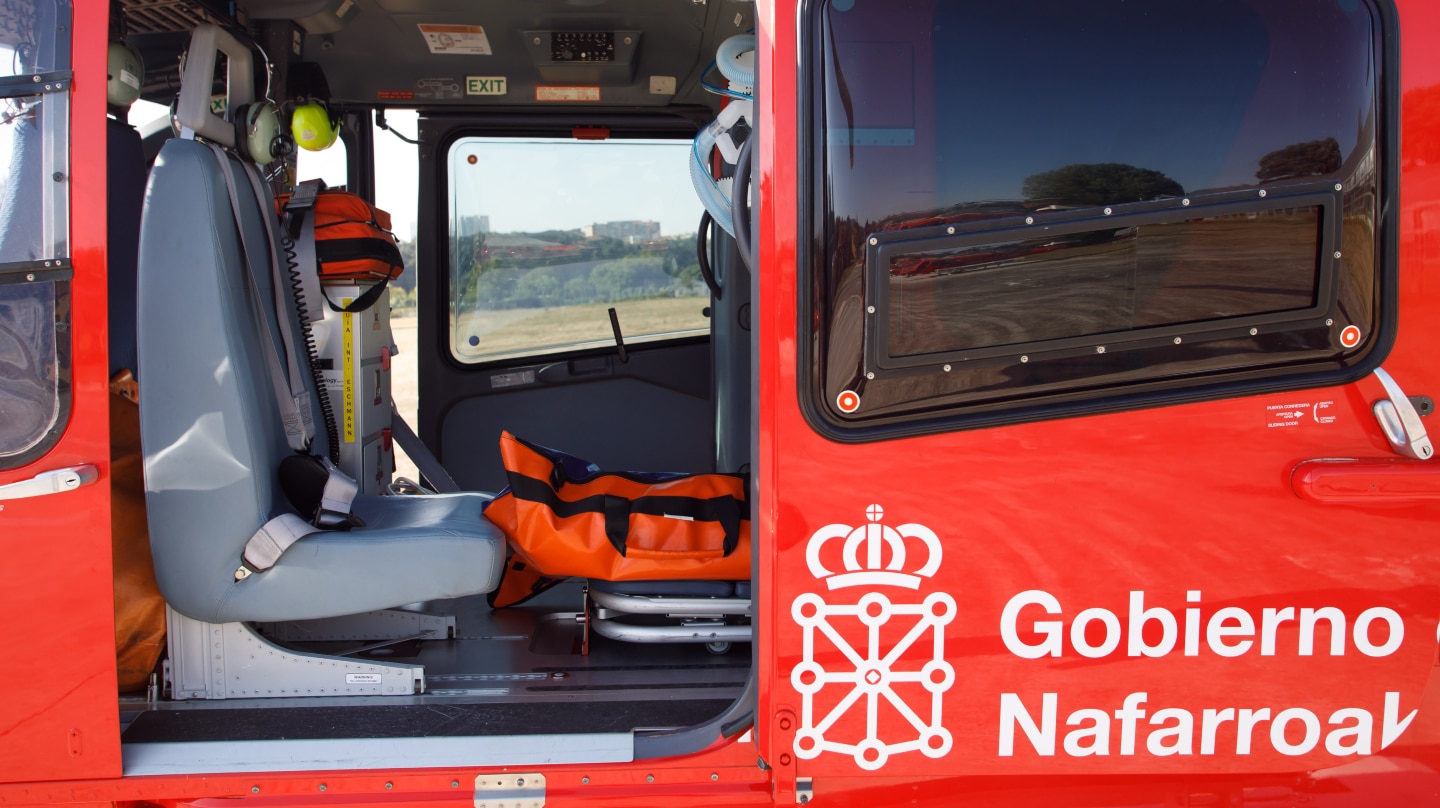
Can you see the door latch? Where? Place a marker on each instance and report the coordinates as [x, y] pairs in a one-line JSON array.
[[1400, 422], [51, 482]]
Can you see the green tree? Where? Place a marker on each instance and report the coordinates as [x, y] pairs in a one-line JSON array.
[[1300, 160], [1093, 184]]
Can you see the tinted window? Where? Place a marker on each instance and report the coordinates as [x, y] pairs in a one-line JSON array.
[[30, 390], [1024, 199], [547, 236], [31, 38]]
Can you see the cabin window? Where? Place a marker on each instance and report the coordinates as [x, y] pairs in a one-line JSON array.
[[1028, 208], [34, 229], [546, 236]]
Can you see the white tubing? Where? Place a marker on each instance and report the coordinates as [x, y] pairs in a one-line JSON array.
[[728, 59], [706, 188]]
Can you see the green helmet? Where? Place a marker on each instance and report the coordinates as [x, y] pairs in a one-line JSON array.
[[312, 127]]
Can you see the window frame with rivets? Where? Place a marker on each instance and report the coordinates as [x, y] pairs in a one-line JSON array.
[[1044, 243]]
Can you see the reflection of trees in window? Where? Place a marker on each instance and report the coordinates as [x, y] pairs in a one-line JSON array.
[[1300, 160], [1088, 184]]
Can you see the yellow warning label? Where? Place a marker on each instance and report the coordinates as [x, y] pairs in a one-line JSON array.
[[348, 334]]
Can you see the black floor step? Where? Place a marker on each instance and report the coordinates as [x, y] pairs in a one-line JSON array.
[[416, 721]]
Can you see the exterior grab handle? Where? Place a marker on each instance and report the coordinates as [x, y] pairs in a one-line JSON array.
[[51, 482]]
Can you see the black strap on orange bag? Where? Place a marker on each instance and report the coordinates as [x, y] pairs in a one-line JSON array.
[[564, 517]]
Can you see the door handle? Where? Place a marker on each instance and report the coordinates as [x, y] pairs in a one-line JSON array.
[[1400, 422], [51, 482]]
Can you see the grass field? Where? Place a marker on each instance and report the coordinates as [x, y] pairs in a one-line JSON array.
[[483, 334]]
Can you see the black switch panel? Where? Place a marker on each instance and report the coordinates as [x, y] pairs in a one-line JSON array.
[[582, 46]]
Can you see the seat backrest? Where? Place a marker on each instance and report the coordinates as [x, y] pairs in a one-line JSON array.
[[211, 431]]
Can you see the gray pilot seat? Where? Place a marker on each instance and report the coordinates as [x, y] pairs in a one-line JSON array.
[[213, 437]]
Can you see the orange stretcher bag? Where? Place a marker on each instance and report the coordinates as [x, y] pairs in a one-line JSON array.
[[566, 518], [354, 245]]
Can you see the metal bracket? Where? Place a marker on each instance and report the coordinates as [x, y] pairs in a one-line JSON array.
[[387, 624], [526, 790], [230, 660], [35, 84]]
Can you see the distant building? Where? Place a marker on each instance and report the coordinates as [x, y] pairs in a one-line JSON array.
[[473, 225], [629, 231]]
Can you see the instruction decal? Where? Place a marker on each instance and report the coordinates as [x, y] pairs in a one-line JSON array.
[[438, 89], [1292, 414], [462, 40], [567, 93]]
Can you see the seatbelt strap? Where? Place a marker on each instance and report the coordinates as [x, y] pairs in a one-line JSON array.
[[270, 542], [337, 499], [294, 409], [439, 479], [278, 283], [274, 537]]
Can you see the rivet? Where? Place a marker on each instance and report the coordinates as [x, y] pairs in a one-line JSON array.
[[1263, 192], [870, 375], [1185, 202], [1337, 255], [35, 79], [254, 789], [874, 241], [1100, 349], [714, 776], [389, 786], [1339, 187], [950, 230], [1108, 211], [870, 309], [649, 778], [454, 783], [322, 786], [1254, 331], [1024, 359], [520, 782], [535, 41], [584, 781], [1177, 340], [1029, 220], [628, 40], [1329, 322], [947, 368], [30, 276]]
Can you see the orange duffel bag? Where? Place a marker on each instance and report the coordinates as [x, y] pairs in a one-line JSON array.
[[566, 518]]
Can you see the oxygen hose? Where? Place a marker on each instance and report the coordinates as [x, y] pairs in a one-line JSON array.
[[312, 352]]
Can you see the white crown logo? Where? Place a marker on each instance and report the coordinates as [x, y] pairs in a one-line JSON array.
[[870, 568]]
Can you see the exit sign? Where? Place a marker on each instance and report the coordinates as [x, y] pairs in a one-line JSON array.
[[484, 85]]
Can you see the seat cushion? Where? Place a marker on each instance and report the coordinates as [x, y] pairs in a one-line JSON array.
[[411, 548]]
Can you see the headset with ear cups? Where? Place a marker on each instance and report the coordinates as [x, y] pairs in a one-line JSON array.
[[258, 137]]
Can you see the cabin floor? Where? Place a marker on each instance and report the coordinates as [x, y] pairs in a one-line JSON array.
[[514, 671]]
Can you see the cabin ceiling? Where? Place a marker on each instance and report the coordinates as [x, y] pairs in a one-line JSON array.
[[432, 53]]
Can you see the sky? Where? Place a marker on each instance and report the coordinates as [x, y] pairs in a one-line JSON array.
[[521, 186]]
